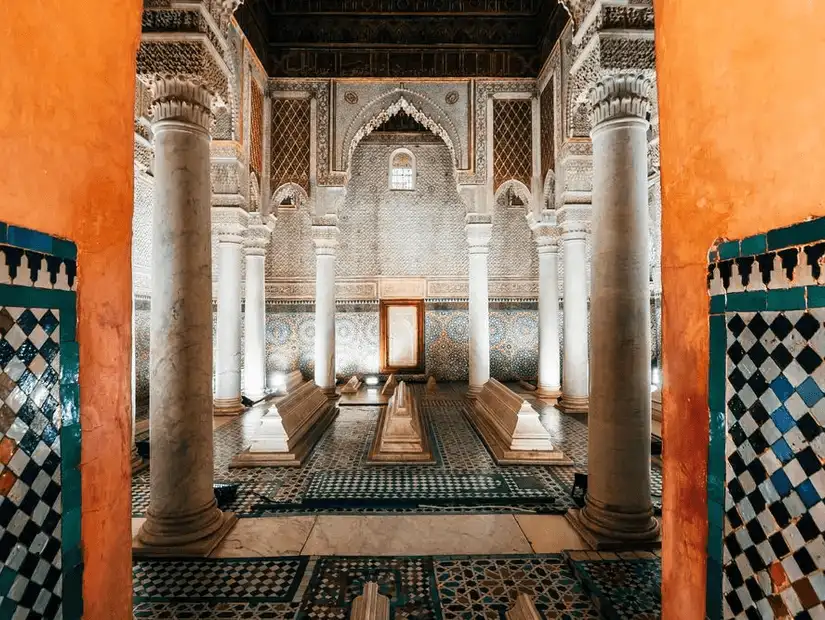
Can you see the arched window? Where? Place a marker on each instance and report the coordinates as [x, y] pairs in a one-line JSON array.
[[402, 170]]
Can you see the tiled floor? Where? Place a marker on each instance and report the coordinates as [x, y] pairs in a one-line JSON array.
[[337, 478], [564, 586]]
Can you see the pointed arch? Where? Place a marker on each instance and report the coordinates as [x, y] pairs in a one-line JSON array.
[[519, 189], [416, 105]]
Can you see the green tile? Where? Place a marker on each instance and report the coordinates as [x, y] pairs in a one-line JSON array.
[[7, 576], [716, 363], [716, 487], [73, 593], [787, 299], [69, 362], [30, 239], [64, 249], [68, 320], [71, 538], [816, 296], [70, 403], [70, 436], [758, 244], [717, 304], [750, 301], [715, 531], [713, 255], [4, 232], [798, 234], [729, 249], [71, 488], [8, 608], [713, 596]]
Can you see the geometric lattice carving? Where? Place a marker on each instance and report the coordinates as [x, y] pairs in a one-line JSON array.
[[256, 149], [513, 141], [548, 154], [290, 142]]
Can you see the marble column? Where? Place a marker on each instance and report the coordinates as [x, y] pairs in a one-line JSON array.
[[575, 386], [325, 237], [229, 228], [618, 506], [549, 379], [479, 230], [183, 518], [254, 364]]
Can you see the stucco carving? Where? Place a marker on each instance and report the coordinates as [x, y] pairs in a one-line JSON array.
[[620, 96], [181, 100], [293, 191]]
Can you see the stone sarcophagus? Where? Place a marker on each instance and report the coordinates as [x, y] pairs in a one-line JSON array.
[[290, 429], [351, 386], [511, 428], [402, 435]]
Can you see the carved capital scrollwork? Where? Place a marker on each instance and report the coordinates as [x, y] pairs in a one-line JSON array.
[[257, 234], [620, 96], [325, 234], [479, 229], [175, 99]]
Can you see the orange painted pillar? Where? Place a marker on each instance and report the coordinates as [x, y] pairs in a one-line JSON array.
[[67, 74]]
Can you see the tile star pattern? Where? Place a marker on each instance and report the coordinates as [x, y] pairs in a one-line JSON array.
[[774, 551], [30, 456], [337, 477]]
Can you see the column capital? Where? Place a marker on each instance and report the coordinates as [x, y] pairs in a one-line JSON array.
[[546, 236], [479, 229], [180, 99], [229, 224], [325, 234], [258, 233], [574, 221], [620, 96]]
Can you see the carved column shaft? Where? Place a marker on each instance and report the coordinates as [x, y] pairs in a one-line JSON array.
[[183, 517], [549, 377], [325, 237], [228, 329], [575, 376], [618, 504], [479, 231], [255, 244]]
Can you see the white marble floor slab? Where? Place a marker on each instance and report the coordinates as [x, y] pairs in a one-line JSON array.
[[266, 537], [416, 535], [550, 533]]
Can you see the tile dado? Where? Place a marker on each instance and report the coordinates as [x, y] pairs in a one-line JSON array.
[[40, 553], [766, 482]]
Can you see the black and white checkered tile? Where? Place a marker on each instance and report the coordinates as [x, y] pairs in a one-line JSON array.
[[261, 579], [774, 551], [30, 484]]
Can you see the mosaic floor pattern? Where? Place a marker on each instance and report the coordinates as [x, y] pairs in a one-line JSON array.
[[337, 477], [431, 588], [625, 586]]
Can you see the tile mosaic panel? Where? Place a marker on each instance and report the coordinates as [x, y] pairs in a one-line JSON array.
[[486, 587], [624, 588], [40, 556], [766, 482]]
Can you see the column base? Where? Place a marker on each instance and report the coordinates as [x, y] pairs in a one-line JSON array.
[[615, 531], [548, 394], [473, 391], [147, 544], [228, 406], [256, 397], [329, 391], [573, 404]]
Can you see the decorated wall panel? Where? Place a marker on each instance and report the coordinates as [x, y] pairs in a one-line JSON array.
[[290, 340], [141, 360], [41, 562], [291, 253], [256, 147], [766, 481], [512, 141], [548, 151], [513, 253], [386, 232], [290, 156]]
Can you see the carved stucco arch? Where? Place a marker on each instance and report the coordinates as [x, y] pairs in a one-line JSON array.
[[520, 190], [289, 190], [416, 105]]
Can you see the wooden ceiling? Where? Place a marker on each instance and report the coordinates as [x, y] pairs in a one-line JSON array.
[[402, 38]]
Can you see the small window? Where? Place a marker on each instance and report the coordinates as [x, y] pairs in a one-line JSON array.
[[402, 170]]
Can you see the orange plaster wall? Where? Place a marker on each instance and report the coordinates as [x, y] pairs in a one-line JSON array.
[[67, 73], [743, 151]]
